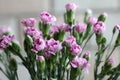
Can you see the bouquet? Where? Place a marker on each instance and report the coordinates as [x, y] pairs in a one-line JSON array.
[[56, 51]]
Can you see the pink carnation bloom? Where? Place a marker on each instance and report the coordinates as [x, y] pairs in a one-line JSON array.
[[70, 41], [99, 27], [84, 64], [41, 58], [52, 46], [33, 32], [54, 29], [29, 22], [75, 49], [64, 27], [80, 62], [47, 17], [75, 62], [80, 27], [5, 41], [117, 26], [71, 6], [39, 44], [92, 20], [59, 27]]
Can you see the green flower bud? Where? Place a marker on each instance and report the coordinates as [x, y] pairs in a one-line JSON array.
[[88, 13], [13, 64], [28, 43], [45, 29], [70, 17], [102, 17], [74, 73]]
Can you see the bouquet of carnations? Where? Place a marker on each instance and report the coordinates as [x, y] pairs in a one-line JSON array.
[[56, 51]]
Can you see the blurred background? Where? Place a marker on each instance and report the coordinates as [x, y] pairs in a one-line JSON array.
[[13, 11]]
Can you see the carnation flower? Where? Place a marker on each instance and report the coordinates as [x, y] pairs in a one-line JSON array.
[[33, 32], [5, 41], [75, 49], [84, 64], [59, 27], [80, 27], [29, 22], [71, 6], [70, 41], [52, 46], [75, 62], [99, 27], [39, 44], [80, 62], [92, 20], [47, 17]]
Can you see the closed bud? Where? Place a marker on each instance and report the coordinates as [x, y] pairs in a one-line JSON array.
[[13, 64], [88, 13], [102, 17]]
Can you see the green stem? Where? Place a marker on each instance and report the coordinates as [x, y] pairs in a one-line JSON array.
[[86, 42], [110, 53]]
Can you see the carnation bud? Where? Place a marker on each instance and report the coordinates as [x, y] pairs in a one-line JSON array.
[[13, 64], [41, 58], [14, 48], [102, 17], [28, 43], [87, 55], [74, 73], [70, 14], [88, 13], [41, 63], [111, 61]]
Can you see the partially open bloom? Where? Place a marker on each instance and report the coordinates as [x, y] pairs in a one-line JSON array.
[[39, 44], [92, 20], [111, 61], [80, 62], [75, 62], [29, 22], [84, 64], [80, 27], [47, 17], [33, 32], [70, 41], [41, 58], [75, 49], [71, 6], [5, 41], [59, 27], [117, 26], [99, 27], [52, 46]]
